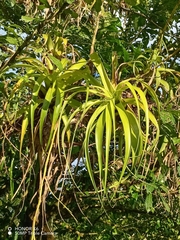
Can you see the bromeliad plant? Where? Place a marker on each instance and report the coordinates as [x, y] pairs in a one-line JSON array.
[[120, 123], [109, 121], [113, 116]]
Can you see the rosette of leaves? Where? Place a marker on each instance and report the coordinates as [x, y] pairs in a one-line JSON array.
[[118, 118]]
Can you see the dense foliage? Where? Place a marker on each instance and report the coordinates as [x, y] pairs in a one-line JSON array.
[[89, 117]]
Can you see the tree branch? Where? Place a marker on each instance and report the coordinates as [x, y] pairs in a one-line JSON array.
[[167, 23], [140, 14], [34, 34], [95, 33]]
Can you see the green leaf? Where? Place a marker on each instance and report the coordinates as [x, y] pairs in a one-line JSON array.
[[45, 2], [75, 150], [56, 113], [18, 86], [178, 170], [56, 62], [44, 111], [89, 1], [11, 178], [25, 123], [165, 84], [69, 1], [149, 203], [16, 202], [108, 121], [89, 129], [99, 133], [164, 202], [81, 63], [97, 5], [176, 140], [104, 77], [167, 117], [144, 106], [50, 43], [27, 18], [132, 2], [70, 77], [127, 137], [35, 103], [150, 188], [164, 144], [12, 40], [136, 137]]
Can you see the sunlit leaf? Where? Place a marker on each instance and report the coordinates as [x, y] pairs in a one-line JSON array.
[[104, 77], [25, 123], [44, 111], [27, 18], [56, 61], [108, 121], [99, 137], [89, 129], [127, 137]]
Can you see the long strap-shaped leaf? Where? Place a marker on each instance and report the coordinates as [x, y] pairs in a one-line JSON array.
[[99, 136], [78, 65], [127, 137], [108, 121], [89, 129], [25, 123], [136, 137], [104, 77], [56, 113], [155, 123], [34, 104], [45, 107], [82, 108], [146, 111], [153, 94]]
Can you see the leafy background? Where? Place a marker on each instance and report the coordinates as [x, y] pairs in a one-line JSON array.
[[90, 119]]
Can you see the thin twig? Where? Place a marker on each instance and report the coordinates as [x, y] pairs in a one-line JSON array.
[[171, 55], [95, 33], [6, 49]]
